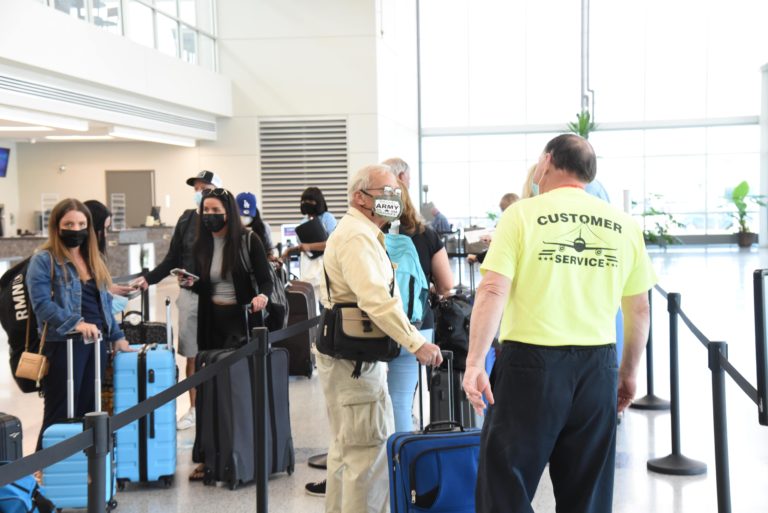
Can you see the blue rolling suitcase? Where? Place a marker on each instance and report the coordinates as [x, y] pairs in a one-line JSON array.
[[434, 470], [145, 450], [66, 482]]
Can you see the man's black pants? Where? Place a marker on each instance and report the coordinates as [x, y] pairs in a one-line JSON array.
[[556, 405]]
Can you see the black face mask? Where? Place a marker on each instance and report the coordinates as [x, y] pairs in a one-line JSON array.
[[308, 209], [74, 238], [214, 222]]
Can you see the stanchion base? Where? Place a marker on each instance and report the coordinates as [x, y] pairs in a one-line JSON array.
[[318, 461], [650, 402], [677, 465]]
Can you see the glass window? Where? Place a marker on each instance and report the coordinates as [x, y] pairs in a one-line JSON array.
[[74, 8], [167, 35], [204, 14], [139, 26], [499, 63], [188, 11], [106, 14], [167, 6], [188, 44], [206, 52]]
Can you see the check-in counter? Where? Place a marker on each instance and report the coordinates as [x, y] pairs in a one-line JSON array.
[[127, 251]]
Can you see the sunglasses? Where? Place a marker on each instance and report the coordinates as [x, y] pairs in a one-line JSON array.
[[390, 191], [215, 192]]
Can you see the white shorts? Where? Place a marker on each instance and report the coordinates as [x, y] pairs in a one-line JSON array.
[[187, 305]]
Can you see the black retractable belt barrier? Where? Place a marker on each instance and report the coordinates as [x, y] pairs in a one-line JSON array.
[[650, 401], [97, 433], [722, 467], [258, 367], [675, 463], [98, 422]]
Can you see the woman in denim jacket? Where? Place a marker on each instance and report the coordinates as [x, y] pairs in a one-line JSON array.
[[69, 290]]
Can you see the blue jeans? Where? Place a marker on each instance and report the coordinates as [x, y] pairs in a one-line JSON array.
[[401, 380]]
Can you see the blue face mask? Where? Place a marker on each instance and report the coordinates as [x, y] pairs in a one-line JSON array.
[[118, 304], [535, 186], [198, 197]]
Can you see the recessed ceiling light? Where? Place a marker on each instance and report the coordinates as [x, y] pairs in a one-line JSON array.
[[25, 129], [79, 137]]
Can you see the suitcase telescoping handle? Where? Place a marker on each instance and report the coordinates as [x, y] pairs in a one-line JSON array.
[[248, 313], [71, 377], [70, 380], [168, 328], [448, 362]]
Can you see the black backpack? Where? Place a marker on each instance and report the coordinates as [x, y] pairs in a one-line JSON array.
[[18, 319], [452, 315]]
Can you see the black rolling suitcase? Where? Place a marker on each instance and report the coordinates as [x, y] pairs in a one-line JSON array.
[[302, 305], [10, 438], [444, 403], [224, 430]]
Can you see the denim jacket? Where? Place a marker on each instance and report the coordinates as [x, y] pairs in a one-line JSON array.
[[62, 312]]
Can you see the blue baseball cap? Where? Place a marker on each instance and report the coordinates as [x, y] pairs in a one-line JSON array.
[[246, 203]]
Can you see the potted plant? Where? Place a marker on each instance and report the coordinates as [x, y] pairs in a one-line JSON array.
[[583, 124], [662, 221], [740, 197]]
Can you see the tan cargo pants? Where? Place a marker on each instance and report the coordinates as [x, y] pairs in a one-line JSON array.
[[361, 418]]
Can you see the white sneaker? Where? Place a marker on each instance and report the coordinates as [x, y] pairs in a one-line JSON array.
[[187, 421]]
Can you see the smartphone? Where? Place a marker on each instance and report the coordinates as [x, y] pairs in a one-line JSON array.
[[184, 274]]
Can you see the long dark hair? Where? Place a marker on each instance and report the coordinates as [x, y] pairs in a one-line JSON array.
[[259, 228], [203, 247], [316, 195], [100, 213]]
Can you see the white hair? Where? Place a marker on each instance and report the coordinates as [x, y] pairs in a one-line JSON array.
[[397, 166], [362, 179]]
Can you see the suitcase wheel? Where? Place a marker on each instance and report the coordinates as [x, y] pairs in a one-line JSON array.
[[209, 481], [121, 484], [112, 505], [167, 481], [290, 470], [233, 485]]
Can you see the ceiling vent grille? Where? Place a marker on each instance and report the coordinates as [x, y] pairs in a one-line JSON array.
[[63, 95], [301, 153]]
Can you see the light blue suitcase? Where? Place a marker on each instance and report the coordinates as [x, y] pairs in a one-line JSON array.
[[146, 449], [66, 482]]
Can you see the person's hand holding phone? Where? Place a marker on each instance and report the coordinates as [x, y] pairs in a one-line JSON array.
[[139, 283], [185, 278]]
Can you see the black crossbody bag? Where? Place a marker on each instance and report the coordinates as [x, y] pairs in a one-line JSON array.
[[349, 334]]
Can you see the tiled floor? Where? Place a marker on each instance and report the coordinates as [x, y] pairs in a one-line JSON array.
[[716, 288]]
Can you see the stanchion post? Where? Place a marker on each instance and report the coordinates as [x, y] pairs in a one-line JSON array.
[[97, 453], [260, 417], [675, 463], [145, 299], [650, 401], [722, 467]]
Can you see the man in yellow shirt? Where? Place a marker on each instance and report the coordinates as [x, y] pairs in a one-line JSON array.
[[358, 270], [559, 265]]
